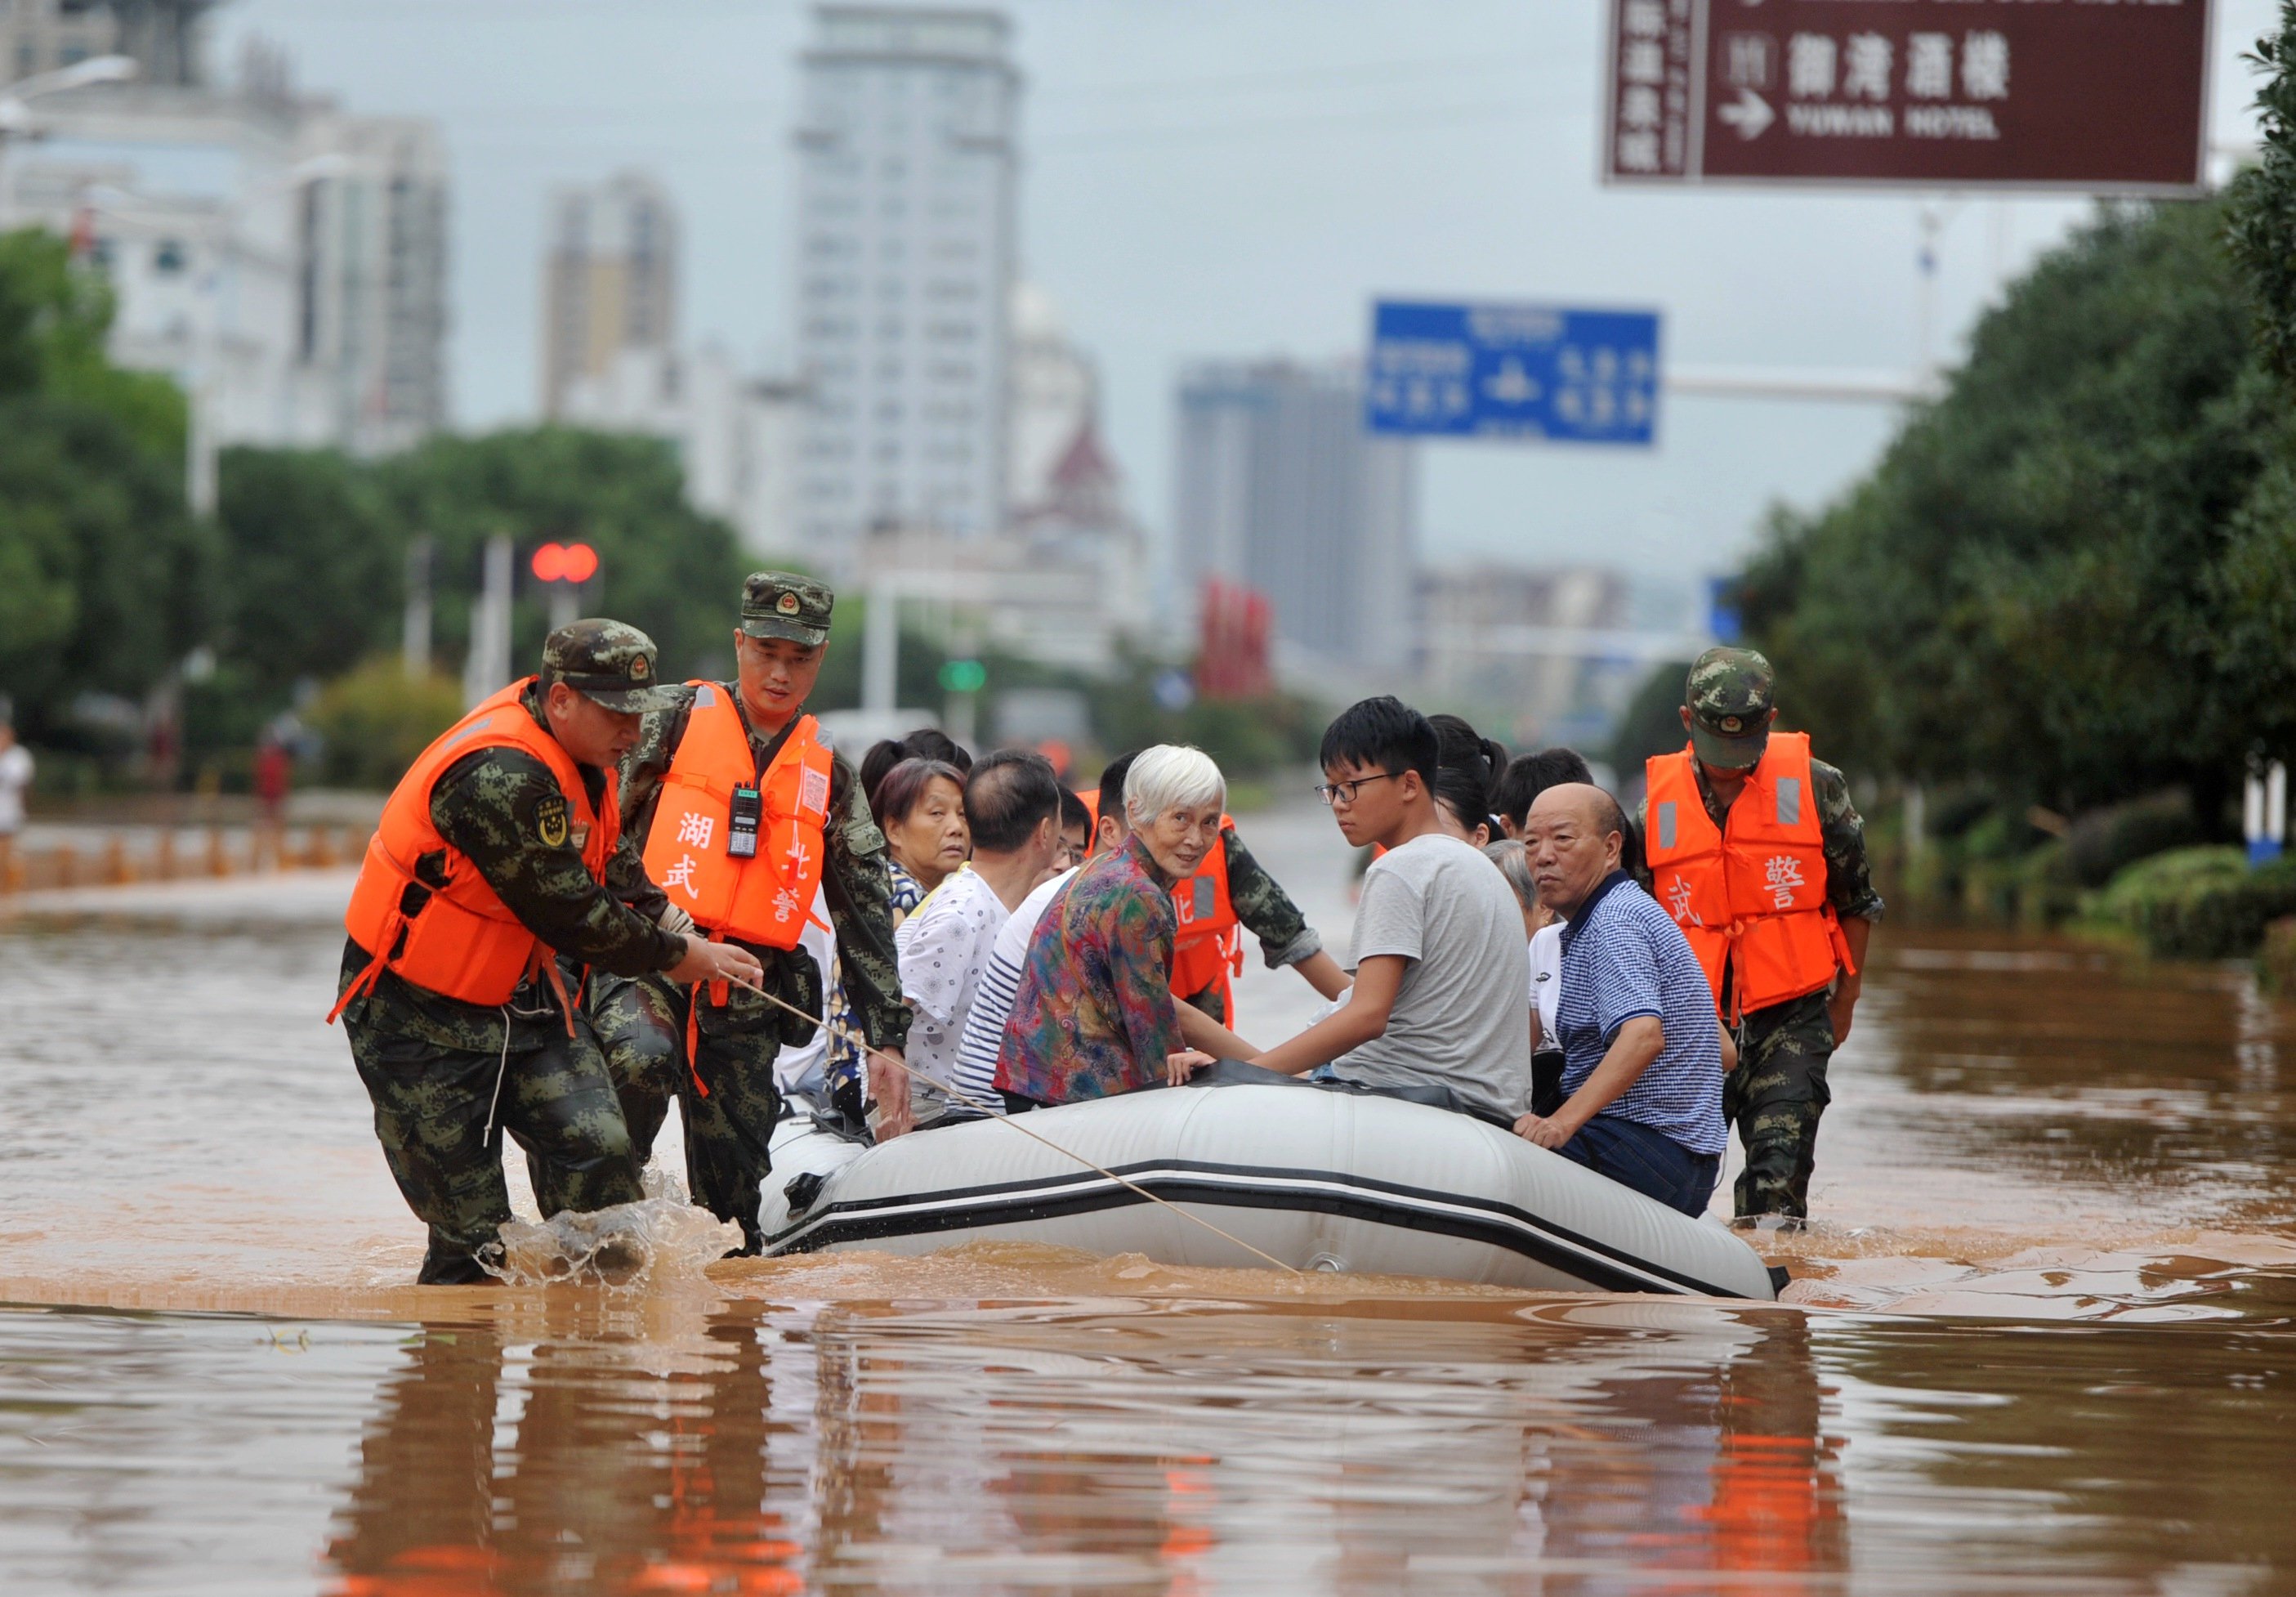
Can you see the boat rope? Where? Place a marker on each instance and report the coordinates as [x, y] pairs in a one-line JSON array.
[[846, 1034]]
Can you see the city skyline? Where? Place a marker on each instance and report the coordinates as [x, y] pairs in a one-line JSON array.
[[1377, 152]]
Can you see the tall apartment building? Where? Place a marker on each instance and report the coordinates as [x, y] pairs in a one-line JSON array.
[[371, 309], [610, 283], [1279, 486], [164, 35], [905, 198], [284, 260]]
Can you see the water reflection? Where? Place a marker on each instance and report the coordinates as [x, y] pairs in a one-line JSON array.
[[606, 1456], [1117, 1446]]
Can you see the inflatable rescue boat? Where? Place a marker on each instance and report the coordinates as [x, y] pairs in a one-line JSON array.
[[1317, 1179]]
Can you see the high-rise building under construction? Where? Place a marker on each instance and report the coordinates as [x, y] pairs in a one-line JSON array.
[[610, 282]]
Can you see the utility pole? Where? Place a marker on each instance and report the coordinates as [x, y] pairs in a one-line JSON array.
[[880, 648], [415, 631], [487, 667]]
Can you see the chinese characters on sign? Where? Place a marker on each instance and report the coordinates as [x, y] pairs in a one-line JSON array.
[[1513, 371], [1929, 92]]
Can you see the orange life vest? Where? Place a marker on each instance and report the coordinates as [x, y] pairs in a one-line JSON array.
[[767, 899], [1208, 947], [1750, 896], [1209, 951], [462, 941]]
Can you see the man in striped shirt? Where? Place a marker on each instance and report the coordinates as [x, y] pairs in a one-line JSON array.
[[1642, 1078]]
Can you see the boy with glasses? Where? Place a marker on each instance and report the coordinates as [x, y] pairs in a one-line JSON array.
[[1439, 962]]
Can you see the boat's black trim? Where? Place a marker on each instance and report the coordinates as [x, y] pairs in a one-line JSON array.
[[1356, 1198]]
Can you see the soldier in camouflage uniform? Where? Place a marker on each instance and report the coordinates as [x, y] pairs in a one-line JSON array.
[[446, 1077], [642, 1023], [1776, 1092]]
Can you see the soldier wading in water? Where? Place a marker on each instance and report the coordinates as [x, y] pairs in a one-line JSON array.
[[1757, 851], [746, 821], [498, 854]]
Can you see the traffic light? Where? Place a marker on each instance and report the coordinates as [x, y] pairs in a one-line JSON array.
[[963, 676], [575, 563]]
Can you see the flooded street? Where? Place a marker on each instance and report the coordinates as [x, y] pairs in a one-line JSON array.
[[2041, 1337]]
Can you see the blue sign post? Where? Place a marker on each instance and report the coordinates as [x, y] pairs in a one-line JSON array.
[[1513, 371]]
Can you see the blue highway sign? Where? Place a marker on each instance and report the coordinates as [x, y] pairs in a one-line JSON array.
[[1513, 371]]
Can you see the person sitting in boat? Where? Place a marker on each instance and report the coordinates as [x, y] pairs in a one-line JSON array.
[[1076, 832], [1230, 893], [1642, 1074], [1441, 966], [1013, 812], [1094, 1013]]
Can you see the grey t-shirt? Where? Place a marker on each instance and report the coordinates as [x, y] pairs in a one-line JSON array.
[[1462, 1017]]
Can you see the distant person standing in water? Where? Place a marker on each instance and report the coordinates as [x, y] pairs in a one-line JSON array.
[[15, 781], [1755, 850]]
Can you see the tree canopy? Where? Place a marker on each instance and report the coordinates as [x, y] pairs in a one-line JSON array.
[[2063, 579]]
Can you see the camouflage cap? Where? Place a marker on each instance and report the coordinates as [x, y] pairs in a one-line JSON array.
[[783, 605], [610, 661], [1729, 696]]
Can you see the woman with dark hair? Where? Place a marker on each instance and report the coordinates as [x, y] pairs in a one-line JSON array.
[[1467, 768], [926, 743], [920, 807]]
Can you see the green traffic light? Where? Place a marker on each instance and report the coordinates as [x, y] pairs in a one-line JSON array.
[[963, 676]]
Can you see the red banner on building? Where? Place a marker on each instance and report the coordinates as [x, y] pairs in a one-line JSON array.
[[2101, 96], [1233, 662]]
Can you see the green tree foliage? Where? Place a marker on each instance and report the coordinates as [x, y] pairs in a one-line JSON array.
[[103, 579], [2262, 231], [374, 720], [664, 567], [1652, 721], [2061, 581], [104, 582], [53, 320], [315, 565]]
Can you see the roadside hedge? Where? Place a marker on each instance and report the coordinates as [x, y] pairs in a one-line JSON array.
[[2199, 903]]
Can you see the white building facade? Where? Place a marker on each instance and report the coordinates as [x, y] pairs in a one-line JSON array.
[[905, 240], [285, 261]]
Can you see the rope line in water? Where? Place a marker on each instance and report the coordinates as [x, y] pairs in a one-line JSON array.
[[1014, 1121]]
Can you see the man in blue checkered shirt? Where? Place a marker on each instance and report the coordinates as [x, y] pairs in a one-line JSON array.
[[1642, 1078]]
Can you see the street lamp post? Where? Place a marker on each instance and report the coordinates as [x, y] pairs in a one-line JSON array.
[[16, 111]]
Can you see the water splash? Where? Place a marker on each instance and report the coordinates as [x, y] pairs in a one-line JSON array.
[[659, 1240]]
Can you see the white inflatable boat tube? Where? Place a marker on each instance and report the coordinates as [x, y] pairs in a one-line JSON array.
[[1321, 1181]]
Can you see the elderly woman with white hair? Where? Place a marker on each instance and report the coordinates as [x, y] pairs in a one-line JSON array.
[[1095, 1015]]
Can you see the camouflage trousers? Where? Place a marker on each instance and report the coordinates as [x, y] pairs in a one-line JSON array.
[[1774, 1098], [641, 1025], [431, 1109]]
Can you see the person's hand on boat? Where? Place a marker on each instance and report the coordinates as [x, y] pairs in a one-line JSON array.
[[1548, 1132], [889, 1089], [707, 961], [1180, 1068]]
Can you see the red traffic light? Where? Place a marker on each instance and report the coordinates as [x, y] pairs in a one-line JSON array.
[[565, 563]]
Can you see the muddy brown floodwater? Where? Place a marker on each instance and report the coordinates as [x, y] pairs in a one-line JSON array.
[[2042, 1336]]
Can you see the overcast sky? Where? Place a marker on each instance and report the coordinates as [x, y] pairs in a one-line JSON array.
[[1226, 178]]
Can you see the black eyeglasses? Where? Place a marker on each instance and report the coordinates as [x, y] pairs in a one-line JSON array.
[[1344, 792]]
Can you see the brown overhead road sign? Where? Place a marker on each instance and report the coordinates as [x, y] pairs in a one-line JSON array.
[[2099, 96]]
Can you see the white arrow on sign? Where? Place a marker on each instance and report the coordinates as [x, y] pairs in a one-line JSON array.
[[1512, 385], [1749, 116]]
